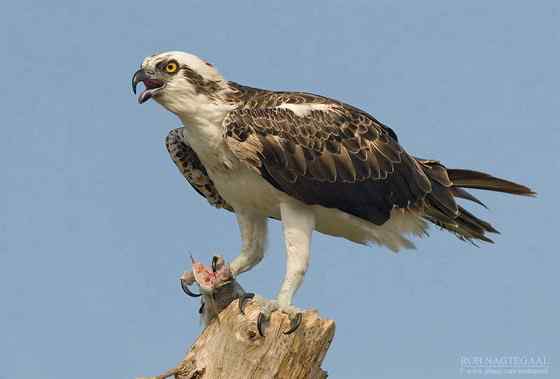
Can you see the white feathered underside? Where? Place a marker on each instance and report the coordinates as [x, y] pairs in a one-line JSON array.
[[392, 234], [244, 189]]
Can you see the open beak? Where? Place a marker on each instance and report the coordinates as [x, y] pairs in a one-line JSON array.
[[153, 85]]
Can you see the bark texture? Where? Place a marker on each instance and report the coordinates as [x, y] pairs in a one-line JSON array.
[[231, 347]]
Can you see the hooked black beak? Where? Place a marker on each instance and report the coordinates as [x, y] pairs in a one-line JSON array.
[[152, 85], [138, 77]]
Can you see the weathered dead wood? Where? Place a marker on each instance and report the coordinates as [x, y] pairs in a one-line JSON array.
[[230, 347]]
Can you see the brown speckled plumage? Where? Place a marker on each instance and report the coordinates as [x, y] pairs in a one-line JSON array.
[[342, 158], [336, 156], [192, 169], [203, 86]]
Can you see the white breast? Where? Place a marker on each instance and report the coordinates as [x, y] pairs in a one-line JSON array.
[[239, 185], [243, 188]]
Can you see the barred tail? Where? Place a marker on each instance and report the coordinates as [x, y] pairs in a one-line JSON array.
[[448, 184]]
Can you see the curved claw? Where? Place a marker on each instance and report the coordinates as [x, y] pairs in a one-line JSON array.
[[186, 289], [294, 323], [243, 299], [260, 323], [201, 309], [214, 263]]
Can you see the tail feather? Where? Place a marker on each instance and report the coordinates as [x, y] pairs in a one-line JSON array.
[[480, 180], [459, 192], [448, 184]]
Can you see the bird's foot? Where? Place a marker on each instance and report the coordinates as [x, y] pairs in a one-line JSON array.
[[267, 307]]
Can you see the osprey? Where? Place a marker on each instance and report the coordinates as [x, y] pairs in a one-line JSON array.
[[312, 162]]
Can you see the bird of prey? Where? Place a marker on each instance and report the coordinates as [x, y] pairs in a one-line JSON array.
[[310, 161]]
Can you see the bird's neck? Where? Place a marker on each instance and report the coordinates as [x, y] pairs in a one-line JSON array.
[[202, 111], [203, 119], [203, 122]]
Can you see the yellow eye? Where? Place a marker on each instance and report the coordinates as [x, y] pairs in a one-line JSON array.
[[171, 67]]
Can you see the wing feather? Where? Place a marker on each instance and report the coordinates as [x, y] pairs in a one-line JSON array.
[[192, 169], [338, 157]]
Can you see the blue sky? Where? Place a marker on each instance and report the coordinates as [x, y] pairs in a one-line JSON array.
[[97, 224]]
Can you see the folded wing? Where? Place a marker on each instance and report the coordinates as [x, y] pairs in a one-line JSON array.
[[333, 155]]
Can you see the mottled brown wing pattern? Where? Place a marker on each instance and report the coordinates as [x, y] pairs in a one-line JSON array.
[[339, 158], [253, 98], [192, 169]]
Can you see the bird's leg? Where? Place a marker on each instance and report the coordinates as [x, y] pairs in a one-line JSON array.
[[298, 223], [253, 230]]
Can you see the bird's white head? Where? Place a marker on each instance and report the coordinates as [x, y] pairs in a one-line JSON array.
[[181, 82]]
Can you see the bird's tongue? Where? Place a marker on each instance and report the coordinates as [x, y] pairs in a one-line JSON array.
[[152, 83]]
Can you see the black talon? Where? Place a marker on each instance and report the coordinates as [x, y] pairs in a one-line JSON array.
[[201, 309], [214, 263], [294, 323], [186, 289], [259, 324], [242, 299]]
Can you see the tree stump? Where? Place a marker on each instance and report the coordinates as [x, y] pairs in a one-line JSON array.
[[230, 347]]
